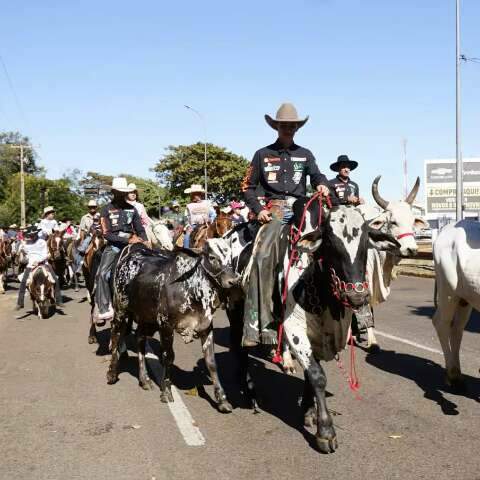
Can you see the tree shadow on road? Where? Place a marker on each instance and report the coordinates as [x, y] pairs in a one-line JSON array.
[[428, 375]]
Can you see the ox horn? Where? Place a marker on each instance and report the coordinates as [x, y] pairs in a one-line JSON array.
[[413, 193], [376, 196]]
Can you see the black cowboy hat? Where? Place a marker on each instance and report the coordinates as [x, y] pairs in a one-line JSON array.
[[343, 161], [31, 231]]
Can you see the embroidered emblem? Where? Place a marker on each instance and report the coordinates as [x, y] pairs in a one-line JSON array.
[[272, 168], [271, 159], [297, 176], [272, 177], [299, 159]]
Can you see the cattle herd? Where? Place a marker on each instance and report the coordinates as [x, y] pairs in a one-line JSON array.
[[336, 266]]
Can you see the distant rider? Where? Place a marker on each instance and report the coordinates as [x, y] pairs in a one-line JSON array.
[[48, 223], [345, 189], [198, 212]]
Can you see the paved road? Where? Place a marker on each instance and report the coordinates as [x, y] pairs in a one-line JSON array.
[[60, 420]]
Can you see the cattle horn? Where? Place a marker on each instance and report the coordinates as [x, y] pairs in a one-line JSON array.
[[413, 193], [376, 196]]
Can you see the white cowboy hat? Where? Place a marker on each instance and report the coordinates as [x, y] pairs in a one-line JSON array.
[[49, 209], [195, 188], [287, 113], [92, 203], [13, 225], [120, 185], [132, 186]]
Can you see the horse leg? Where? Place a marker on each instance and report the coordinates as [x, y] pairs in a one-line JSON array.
[[206, 338], [308, 403], [92, 334]]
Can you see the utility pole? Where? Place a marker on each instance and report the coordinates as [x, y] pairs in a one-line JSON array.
[[22, 182], [458, 139], [405, 167], [202, 118]]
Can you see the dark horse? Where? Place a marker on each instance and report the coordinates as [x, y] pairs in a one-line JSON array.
[[57, 255], [41, 286]]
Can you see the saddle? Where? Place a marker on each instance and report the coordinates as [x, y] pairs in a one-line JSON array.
[[46, 272]]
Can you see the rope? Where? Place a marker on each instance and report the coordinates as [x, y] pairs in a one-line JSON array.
[[294, 256]]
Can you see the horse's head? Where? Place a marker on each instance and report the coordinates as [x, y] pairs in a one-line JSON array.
[[223, 223], [161, 235], [42, 290], [55, 245]]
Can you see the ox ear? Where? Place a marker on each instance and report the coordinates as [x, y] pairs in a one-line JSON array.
[[310, 242], [381, 240], [420, 223], [378, 222]]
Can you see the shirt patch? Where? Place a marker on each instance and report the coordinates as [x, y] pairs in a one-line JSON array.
[[297, 176], [271, 159], [299, 159], [272, 177], [298, 167], [272, 168]]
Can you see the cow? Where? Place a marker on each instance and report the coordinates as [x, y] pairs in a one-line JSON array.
[[456, 254], [401, 222], [322, 294], [166, 292]]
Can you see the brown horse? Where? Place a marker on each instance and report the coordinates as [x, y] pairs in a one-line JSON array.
[[219, 227], [57, 255]]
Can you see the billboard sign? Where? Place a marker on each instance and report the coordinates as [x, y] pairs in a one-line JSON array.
[[440, 185]]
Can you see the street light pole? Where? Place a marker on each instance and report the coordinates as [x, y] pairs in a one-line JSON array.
[[457, 133], [202, 118]]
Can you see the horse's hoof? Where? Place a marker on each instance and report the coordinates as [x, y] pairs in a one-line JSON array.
[[92, 339], [225, 407], [326, 445], [112, 378]]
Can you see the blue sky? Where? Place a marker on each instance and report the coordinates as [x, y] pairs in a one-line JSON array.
[[103, 84]]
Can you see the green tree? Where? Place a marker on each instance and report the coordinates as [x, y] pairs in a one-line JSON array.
[[10, 158], [39, 192], [183, 165]]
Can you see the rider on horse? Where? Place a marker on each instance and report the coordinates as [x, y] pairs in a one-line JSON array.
[[345, 189], [199, 211], [37, 254], [89, 221], [121, 225], [48, 223], [281, 170]]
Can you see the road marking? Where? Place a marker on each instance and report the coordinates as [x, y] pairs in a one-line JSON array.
[[185, 423], [184, 420], [408, 342]]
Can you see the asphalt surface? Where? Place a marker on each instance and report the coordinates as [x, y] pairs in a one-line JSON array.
[[60, 420]]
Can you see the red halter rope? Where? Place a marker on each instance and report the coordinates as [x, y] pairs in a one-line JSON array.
[[407, 234]]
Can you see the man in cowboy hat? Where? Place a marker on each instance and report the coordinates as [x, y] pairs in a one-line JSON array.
[[281, 170], [345, 189], [121, 225], [88, 221], [198, 212], [36, 251], [48, 223]]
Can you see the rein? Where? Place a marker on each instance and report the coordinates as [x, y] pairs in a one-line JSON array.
[[294, 256]]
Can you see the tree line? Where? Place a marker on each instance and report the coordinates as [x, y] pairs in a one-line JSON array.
[[178, 168]]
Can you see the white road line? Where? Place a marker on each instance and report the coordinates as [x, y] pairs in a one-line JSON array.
[[408, 342], [185, 422]]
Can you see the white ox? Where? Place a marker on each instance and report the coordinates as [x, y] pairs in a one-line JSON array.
[[456, 253], [400, 222]]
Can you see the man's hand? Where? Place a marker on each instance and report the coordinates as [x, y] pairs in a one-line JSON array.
[[135, 239], [264, 216], [323, 189]]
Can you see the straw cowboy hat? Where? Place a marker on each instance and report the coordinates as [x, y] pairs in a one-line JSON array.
[[92, 203], [133, 187], [287, 113], [120, 185], [195, 188], [13, 225], [343, 161], [48, 210]]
